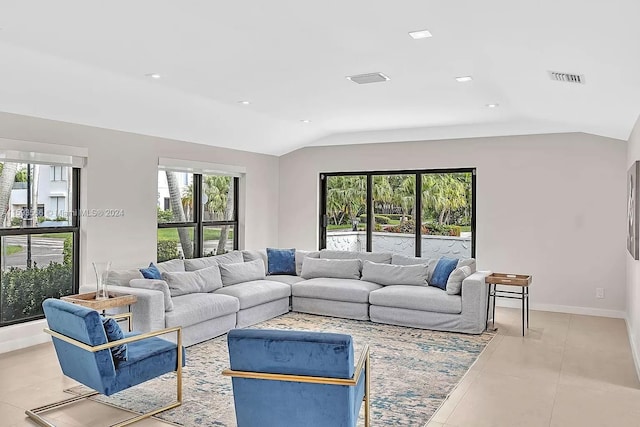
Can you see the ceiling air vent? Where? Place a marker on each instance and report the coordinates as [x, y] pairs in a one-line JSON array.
[[566, 77], [363, 79]]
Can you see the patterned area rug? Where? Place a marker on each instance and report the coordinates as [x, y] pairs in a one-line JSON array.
[[412, 373]]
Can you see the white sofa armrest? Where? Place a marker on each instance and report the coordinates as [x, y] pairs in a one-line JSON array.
[[148, 311], [475, 293]]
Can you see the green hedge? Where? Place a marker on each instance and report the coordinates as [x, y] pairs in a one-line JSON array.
[[23, 290], [167, 249]]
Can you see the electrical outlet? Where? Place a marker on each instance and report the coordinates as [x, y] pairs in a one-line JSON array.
[[599, 292]]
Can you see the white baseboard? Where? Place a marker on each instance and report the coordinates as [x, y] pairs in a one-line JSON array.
[[570, 309], [23, 335], [634, 352]]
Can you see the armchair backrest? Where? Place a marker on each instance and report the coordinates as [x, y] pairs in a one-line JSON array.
[[95, 370], [277, 403]]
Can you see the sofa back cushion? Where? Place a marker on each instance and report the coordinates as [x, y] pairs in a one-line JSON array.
[[209, 261], [389, 274], [242, 272], [189, 282], [171, 266], [380, 257], [123, 277], [313, 268]]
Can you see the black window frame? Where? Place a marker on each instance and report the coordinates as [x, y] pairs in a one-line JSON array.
[[199, 224], [323, 220], [74, 229]]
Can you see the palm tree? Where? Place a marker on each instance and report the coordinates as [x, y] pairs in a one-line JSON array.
[[219, 190], [7, 178], [443, 193], [178, 213]]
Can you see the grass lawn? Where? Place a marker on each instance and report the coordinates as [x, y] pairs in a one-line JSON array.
[[13, 249], [54, 235], [465, 228], [171, 234]]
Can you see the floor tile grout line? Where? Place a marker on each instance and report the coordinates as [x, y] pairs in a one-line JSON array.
[[564, 348]]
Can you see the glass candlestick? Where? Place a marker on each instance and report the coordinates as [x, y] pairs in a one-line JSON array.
[[102, 273]]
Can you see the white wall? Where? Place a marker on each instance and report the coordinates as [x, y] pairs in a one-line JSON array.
[[633, 266], [534, 193], [122, 173]]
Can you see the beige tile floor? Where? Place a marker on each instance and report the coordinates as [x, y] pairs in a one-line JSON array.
[[568, 371]]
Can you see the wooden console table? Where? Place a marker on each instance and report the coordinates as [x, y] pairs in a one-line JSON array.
[[521, 280], [115, 300]]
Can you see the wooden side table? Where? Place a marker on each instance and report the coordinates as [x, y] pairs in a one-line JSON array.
[[506, 279], [115, 300]]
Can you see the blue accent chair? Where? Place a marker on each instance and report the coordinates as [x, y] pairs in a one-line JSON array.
[[84, 355], [293, 378]]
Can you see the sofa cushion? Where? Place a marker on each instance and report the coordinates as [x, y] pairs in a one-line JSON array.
[[281, 261], [256, 292], [151, 272], [285, 278], [425, 298], [470, 262], [381, 257], [195, 308], [301, 255], [454, 284], [333, 268], [155, 285], [441, 273], [123, 277], [389, 274], [347, 290], [189, 282], [208, 261], [171, 266], [257, 254], [241, 272], [399, 259]]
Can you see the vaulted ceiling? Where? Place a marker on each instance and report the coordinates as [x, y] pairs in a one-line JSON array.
[[89, 62]]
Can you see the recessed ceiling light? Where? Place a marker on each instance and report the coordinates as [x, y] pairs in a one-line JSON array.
[[244, 102], [492, 105], [463, 79], [421, 34], [153, 75], [305, 121]]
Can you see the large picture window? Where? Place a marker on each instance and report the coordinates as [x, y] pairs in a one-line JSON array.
[[39, 237], [426, 213], [197, 214]]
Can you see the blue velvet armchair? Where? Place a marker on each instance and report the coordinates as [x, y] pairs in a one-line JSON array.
[[84, 354], [292, 378]]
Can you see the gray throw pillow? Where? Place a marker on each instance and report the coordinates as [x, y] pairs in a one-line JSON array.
[[171, 266], [470, 262], [330, 268], [189, 282], [454, 283], [242, 272], [389, 274], [254, 255], [301, 255], [412, 260], [209, 261], [155, 285]]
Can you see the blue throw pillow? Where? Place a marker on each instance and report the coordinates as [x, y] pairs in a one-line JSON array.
[[281, 261], [114, 333], [442, 271], [151, 272]]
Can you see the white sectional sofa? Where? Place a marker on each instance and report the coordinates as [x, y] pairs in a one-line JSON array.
[[209, 296]]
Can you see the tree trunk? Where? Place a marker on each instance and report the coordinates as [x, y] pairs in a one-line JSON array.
[[228, 213], [441, 219], [6, 184], [178, 214]]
